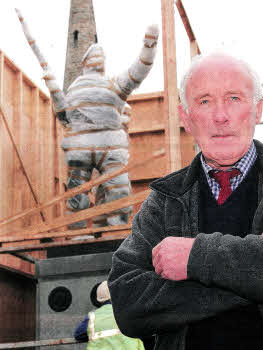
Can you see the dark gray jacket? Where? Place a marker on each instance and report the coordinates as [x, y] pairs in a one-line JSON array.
[[225, 271]]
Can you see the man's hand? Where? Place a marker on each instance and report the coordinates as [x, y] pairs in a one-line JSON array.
[[170, 257]]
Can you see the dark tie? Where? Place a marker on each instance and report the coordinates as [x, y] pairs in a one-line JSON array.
[[223, 178]]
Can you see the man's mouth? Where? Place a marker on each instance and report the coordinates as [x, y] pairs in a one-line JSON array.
[[222, 136]]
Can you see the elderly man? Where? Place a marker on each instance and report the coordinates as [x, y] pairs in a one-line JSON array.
[[194, 260]]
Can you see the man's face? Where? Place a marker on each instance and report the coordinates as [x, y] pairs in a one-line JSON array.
[[221, 112]]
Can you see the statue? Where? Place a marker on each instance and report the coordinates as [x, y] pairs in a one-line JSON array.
[[96, 114]]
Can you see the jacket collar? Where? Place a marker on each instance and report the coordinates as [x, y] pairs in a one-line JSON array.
[[179, 182]]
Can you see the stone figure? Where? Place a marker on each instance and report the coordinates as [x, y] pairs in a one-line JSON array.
[[96, 114]]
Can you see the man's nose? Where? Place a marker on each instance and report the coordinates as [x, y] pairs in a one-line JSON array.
[[220, 114]]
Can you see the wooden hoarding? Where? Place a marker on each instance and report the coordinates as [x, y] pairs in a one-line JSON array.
[[32, 163], [30, 155]]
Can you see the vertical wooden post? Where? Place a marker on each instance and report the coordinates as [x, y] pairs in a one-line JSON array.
[[60, 166], [18, 177], [50, 155], [3, 208], [2, 58], [35, 115], [2, 185], [194, 49], [172, 124], [35, 144]]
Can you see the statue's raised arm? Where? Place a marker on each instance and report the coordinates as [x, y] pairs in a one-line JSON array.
[[57, 94], [137, 72]]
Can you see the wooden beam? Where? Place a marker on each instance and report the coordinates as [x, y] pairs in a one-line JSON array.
[[194, 49], [25, 257], [186, 22], [35, 137], [3, 208], [85, 187], [154, 128], [31, 344], [2, 61], [61, 170], [172, 137], [65, 234], [88, 213], [107, 236], [146, 96], [19, 157]]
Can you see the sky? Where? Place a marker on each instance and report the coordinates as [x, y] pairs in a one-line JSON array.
[[232, 25]]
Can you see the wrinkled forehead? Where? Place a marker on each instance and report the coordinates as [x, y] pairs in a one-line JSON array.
[[220, 73]]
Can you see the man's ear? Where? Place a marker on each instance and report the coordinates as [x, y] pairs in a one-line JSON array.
[[259, 110], [184, 117]]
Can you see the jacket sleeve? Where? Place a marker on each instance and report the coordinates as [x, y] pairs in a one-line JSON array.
[[80, 333], [143, 302], [229, 262]]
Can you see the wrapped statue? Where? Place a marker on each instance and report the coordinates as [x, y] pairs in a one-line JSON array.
[[96, 115]]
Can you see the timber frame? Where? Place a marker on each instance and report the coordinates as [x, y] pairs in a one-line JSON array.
[[32, 187]]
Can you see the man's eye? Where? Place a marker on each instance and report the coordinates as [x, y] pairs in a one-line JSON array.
[[204, 102], [234, 98]]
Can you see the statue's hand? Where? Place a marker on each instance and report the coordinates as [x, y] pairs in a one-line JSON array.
[[151, 36]]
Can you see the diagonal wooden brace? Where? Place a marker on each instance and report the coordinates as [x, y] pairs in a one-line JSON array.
[[85, 187]]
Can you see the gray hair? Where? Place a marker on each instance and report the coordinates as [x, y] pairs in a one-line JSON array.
[[199, 58]]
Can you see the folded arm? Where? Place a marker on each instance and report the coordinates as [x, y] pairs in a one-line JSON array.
[[229, 262], [143, 302]]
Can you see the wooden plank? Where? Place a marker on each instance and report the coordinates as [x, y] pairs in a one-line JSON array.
[[47, 156], [61, 168], [31, 344], [4, 210], [19, 156], [24, 257], [18, 180], [1, 77], [145, 96], [88, 186], [194, 49], [35, 144], [88, 213], [41, 159], [65, 234], [188, 148], [186, 22], [159, 127], [16, 203], [57, 168], [172, 135], [142, 144], [107, 236], [29, 151], [146, 114]]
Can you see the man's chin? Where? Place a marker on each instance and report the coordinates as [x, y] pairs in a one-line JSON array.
[[225, 156]]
